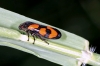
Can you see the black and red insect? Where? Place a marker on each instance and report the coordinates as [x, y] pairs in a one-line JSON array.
[[40, 31]]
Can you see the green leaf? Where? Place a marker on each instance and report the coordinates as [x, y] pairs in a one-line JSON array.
[[69, 50]]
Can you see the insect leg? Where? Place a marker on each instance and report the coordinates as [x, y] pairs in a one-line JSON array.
[[42, 38], [33, 34], [28, 34]]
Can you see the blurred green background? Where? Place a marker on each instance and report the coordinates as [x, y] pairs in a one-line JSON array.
[[81, 17]]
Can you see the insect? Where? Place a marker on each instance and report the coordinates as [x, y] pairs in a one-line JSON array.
[[40, 31]]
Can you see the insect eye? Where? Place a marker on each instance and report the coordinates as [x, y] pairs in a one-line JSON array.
[[21, 27]]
